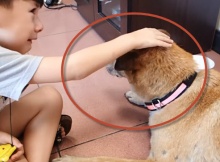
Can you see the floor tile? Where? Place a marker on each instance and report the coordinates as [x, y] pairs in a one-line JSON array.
[[56, 44], [102, 100], [215, 57], [125, 144]]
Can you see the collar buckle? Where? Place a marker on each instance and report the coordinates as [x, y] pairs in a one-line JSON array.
[[156, 103]]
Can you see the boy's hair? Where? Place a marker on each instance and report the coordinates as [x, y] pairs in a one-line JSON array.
[[8, 3]]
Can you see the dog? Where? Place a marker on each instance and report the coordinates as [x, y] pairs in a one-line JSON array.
[[166, 81]]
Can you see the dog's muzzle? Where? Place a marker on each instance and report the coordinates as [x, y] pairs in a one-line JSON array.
[[111, 70]]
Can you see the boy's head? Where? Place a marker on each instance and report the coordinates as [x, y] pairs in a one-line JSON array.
[[8, 3], [19, 24]]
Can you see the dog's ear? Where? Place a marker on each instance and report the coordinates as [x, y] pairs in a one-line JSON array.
[[164, 31], [126, 62]]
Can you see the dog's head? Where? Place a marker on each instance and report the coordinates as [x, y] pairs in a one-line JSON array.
[[154, 71], [129, 65]]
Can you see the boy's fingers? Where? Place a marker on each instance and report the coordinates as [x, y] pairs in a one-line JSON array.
[[167, 40], [163, 34], [164, 44], [19, 151], [17, 155], [158, 32], [162, 39]]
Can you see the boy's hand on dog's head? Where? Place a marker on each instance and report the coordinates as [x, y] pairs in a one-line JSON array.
[[150, 37]]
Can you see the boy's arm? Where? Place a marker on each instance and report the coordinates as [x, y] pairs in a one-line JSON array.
[[86, 61]]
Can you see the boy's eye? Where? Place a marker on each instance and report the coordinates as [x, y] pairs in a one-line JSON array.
[[33, 10]]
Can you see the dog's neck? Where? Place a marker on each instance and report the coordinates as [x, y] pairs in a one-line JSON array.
[[159, 103]]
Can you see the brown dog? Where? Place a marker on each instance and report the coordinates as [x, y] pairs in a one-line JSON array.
[[168, 81]]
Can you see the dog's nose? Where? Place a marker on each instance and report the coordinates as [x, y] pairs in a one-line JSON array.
[[109, 69]]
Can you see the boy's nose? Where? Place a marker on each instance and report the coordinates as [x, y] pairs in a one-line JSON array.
[[39, 26]]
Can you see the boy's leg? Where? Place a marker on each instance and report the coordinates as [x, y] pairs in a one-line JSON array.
[[37, 116]]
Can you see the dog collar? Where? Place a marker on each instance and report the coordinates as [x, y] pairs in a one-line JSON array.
[[159, 103]]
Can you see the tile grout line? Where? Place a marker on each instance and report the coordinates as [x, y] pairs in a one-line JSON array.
[[97, 138], [58, 33]]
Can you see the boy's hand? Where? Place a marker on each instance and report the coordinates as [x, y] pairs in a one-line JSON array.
[[5, 138], [19, 150], [150, 37]]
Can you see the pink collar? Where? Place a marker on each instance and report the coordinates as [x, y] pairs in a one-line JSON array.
[[159, 103]]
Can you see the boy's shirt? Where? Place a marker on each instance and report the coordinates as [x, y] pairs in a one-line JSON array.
[[16, 71]]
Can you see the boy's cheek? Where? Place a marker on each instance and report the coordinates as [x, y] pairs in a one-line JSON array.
[[6, 36], [13, 41]]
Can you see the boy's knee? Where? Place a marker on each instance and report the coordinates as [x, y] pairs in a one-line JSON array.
[[52, 96]]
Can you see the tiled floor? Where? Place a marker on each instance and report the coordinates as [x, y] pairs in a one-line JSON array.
[[100, 95]]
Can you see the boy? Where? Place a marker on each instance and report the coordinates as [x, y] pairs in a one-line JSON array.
[[36, 115]]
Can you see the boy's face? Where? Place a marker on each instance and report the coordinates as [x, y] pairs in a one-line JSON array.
[[19, 25]]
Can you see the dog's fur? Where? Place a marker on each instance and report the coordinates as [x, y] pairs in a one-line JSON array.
[[195, 137]]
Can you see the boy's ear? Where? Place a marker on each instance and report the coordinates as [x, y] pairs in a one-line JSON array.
[[126, 62], [164, 31]]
